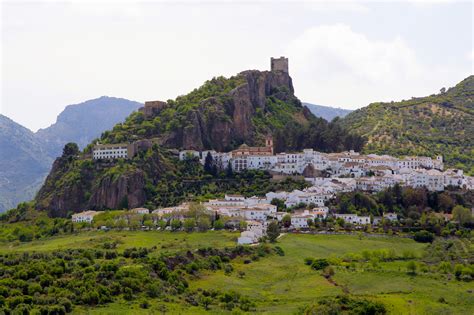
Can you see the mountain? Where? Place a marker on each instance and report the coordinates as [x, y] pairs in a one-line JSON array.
[[26, 157], [327, 112], [221, 114], [439, 124], [24, 163], [80, 123]]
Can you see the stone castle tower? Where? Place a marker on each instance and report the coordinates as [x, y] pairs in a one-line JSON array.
[[279, 64]]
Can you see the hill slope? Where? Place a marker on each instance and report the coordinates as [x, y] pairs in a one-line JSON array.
[[327, 112], [23, 163], [220, 115], [437, 124], [80, 123]]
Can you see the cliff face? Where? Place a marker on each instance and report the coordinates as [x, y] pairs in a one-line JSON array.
[[76, 184], [125, 191], [221, 122]]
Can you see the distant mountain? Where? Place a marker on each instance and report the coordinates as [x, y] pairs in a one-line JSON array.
[[437, 124], [26, 157], [24, 163], [327, 112], [80, 123]]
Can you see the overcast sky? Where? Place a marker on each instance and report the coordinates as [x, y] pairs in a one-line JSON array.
[[343, 54]]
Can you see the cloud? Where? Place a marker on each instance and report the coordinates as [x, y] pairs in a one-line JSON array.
[[334, 65]]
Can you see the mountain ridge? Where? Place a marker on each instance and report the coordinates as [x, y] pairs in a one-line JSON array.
[[327, 112]]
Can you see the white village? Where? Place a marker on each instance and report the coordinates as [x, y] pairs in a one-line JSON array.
[[327, 173]]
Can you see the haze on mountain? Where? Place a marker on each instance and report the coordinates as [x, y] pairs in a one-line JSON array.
[[80, 123], [26, 157], [24, 162], [327, 112]]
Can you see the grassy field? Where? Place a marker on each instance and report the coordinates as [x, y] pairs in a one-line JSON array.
[[168, 241], [284, 284]]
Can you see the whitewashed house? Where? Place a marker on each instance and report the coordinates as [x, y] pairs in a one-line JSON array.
[[85, 216], [140, 211]]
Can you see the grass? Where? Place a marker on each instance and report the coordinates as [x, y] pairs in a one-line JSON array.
[[284, 284], [169, 241]]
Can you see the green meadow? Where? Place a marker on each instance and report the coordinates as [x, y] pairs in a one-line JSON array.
[[285, 284]]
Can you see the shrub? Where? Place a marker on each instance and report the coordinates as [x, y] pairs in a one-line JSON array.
[[319, 264], [279, 251], [424, 237]]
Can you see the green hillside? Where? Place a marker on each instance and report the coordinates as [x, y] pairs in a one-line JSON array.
[[437, 124]]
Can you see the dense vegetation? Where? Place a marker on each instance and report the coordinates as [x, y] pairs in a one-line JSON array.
[[404, 201], [417, 209], [53, 283], [174, 116], [441, 124]]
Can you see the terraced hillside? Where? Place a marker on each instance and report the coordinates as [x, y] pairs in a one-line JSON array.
[[437, 124]]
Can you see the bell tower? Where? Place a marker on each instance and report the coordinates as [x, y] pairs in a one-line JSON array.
[[269, 142]]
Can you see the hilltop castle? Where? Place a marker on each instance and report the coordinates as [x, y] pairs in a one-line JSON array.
[[279, 64]]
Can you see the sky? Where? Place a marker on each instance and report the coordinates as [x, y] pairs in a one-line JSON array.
[[342, 54]]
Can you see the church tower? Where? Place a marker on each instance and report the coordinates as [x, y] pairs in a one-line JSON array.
[[269, 142]]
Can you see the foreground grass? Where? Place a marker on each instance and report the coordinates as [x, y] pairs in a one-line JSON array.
[[284, 284]]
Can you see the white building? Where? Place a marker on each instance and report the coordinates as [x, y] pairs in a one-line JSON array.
[[354, 218], [113, 151], [140, 210], [255, 230], [300, 221], [85, 216], [390, 216]]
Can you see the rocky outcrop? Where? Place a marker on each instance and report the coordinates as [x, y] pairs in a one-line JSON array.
[[76, 184], [127, 191], [221, 123]]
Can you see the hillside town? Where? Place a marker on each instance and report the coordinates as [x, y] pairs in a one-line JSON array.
[[370, 172], [327, 173]]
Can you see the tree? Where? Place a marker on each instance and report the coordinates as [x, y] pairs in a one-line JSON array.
[[319, 264], [204, 224], [175, 224], [189, 225], [229, 172], [273, 231], [424, 236], [218, 224], [70, 150], [445, 202], [279, 203], [411, 267], [209, 165], [286, 220], [462, 215]]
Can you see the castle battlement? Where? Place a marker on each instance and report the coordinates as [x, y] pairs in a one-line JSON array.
[[279, 64]]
